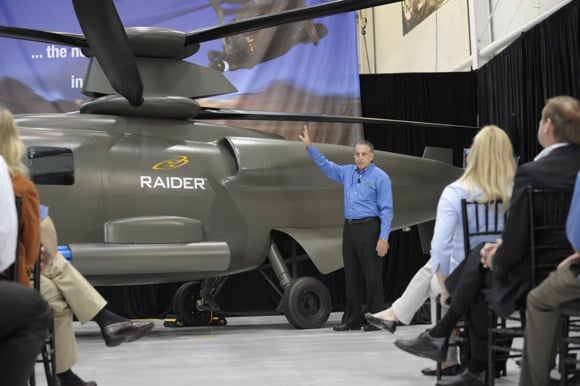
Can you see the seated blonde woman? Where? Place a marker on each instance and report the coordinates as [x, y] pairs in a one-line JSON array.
[[488, 177]]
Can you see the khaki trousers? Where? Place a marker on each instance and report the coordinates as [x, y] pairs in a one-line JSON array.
[[68, 292], [543, 324]]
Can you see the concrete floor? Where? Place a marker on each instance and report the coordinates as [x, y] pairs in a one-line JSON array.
[[250, 351]]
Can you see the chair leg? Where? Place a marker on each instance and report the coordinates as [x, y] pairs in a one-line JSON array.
[[564, 327], [491, 323], [438, 317], [48, 357]]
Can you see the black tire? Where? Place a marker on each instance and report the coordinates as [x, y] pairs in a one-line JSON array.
[[184, 304], [306, 303]]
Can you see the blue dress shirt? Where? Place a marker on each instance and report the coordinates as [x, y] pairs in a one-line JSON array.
[[573, 222], [367, 193]]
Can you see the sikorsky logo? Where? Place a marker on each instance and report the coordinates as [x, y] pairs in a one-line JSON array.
[[172, 182], [173, 163]]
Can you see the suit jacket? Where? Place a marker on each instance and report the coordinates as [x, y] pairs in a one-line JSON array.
[[512, 261], [29, 223]]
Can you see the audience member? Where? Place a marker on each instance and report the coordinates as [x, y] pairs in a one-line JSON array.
[[13, 150], [68, 293], [488, 177], [25, 314], [543, 306], [500, 272]]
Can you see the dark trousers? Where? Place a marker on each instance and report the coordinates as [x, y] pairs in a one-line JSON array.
[[468, 285], [24, 320], [363, 268]]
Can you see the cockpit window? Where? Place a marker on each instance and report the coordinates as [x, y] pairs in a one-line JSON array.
[[51, 165]]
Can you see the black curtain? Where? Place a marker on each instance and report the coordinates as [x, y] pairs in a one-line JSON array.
[[514, 85], [449, 98]]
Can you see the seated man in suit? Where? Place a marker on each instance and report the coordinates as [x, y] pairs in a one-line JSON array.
[[543, 306], [502, 269], [68, 292], [25, 314]]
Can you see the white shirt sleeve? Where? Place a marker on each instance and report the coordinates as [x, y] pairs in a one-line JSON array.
[[446, 222], [8, 220]]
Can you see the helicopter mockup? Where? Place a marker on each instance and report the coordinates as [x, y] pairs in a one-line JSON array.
[[145, 190]]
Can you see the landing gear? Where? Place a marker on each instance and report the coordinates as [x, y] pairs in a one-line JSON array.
[[306, 301], [191, 310]]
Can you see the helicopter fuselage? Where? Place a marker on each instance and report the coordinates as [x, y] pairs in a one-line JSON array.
[[155, 200]]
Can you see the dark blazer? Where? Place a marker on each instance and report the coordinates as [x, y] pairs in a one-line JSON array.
[[512, 261]]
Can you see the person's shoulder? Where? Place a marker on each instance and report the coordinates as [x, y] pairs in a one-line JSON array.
[[456, 188], [566, 154], [559, 154], [380, 171], [23, 185], [455, 185], [527, 167], [450, 193]]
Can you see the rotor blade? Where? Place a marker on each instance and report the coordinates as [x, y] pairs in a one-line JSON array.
[[255, 23], [67, 39], [109, 43], [248, 115]]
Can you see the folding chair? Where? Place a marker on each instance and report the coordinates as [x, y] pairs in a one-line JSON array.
[[569, 338], [489, 219], [47, 351], [547, 211]]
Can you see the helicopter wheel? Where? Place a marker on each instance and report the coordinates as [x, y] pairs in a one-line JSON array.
[[184, 305], [306, 303]]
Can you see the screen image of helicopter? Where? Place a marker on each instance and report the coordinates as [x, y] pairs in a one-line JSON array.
[[251, 48], [147, 186]]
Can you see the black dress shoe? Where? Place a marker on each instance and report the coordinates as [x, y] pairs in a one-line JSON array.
[[127, 331], [370, 327], [345, 327], [466, 378], [425, 346], [389, 325], [74, 382], [446, 371]]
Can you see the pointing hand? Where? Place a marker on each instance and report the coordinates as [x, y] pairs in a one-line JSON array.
[[305, 137]]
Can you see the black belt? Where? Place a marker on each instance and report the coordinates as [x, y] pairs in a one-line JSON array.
[[361, 220]]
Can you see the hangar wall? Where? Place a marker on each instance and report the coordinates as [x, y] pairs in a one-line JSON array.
[[443, 41]]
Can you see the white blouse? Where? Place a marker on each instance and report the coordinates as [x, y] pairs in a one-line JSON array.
[[447, 250], [8, 221]]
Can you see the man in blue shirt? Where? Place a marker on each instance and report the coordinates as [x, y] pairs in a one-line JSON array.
[[543, 306], [368, 213]]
